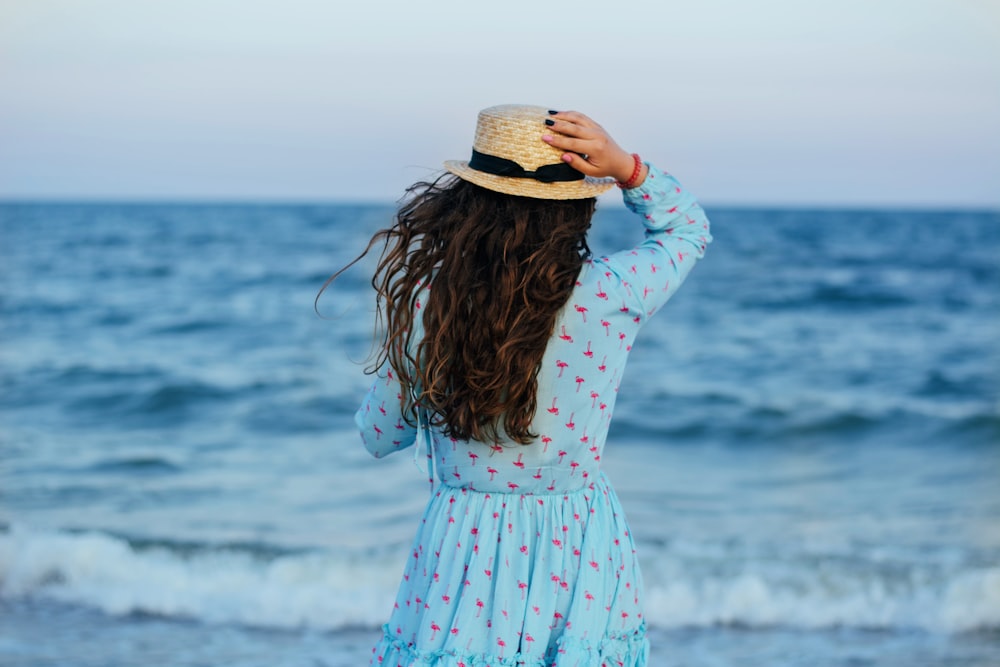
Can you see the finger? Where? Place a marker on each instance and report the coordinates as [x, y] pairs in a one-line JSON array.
[[570, 145], [570, 128], [577, 117], [578, 163], [567, 143]]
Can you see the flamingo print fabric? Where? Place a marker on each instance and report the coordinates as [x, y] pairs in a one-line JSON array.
[[523, 555]]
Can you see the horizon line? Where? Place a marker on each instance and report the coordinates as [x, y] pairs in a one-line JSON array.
[[384, 203]]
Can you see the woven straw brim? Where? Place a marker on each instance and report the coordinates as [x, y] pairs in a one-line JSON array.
[[514, 132], [529, 187]]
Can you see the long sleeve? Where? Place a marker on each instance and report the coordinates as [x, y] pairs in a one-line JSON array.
[[379, 419], [677, 232]]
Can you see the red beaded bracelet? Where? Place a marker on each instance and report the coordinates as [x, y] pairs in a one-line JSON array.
[[630, 183]]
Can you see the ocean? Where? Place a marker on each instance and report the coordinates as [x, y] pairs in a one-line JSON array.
[[806, 443]]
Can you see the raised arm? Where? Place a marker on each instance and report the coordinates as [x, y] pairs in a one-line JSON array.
[[677, 232], [677, 229]]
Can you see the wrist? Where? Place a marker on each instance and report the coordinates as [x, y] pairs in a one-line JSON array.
[[636, 173], [624, 168]]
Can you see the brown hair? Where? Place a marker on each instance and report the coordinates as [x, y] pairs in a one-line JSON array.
[[502, 267]]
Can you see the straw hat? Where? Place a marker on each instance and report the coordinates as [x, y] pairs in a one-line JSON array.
[[509, 156]]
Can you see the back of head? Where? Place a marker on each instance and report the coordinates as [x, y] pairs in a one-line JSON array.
[[487, 273], [486, 261]]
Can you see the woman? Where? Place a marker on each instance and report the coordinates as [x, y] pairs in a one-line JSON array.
[[504, 347]]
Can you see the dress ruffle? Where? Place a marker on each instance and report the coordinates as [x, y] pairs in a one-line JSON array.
[[630, 650], [519, 579]]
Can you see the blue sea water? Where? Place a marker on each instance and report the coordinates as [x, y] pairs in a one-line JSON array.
[[807, 441]]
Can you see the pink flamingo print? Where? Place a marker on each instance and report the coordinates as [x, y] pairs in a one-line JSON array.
[[519, 463], [590, 598], [557, 543], [454, 632], [455, 474], [512, 486], [588, 352], [381, 408], [555, 580], [646, 290], [571, 424], [561, 365], [480, 605], [607, 327], [435, 628], [601, 294], [582, 310], [579, 382], [604, 364], [593, 398], [565, 336], [378, 432], [545, 441], [554, 410], [652, 267], [551, 487], [562, 453], [527, 640], [473, 456], [585, 438], [621, 339], [492, 471], [573, 466], [538, 475], [502, 644]]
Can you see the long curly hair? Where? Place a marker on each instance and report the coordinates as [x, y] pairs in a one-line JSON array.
[[487, 273]]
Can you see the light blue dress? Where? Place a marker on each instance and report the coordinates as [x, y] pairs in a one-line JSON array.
[[523, 555]]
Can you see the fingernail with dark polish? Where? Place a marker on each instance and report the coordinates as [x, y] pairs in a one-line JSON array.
[[549, 121], [552, 112]]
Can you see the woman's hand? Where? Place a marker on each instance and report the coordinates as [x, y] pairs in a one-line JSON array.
[[579, 136]]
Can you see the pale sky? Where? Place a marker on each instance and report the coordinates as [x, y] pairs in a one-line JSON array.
[[770, 102]]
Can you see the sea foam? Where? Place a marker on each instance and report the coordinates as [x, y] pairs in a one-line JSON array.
[[328, 591]]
